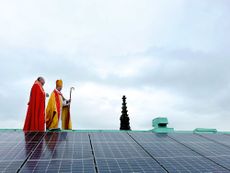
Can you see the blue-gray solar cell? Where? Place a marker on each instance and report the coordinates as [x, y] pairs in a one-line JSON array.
[[62, 150], [144, 165], [176, 157], [161, 145], [55, 166], [118, 150], [222, 160], [191, 165], [216, 152], [110, 137], [19, 150], [78, 137], [15, 147], [13, 151], [10, 166], [20, 136], [210, 149], [171, 149], [11, 136], [219, 138], [113, 152], [149, 137], [188, 137], [202, 145], [33, 136]]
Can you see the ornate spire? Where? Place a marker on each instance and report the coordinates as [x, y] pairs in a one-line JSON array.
[[124, 116]]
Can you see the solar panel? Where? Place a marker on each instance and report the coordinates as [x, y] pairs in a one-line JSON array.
[[147, 165], [10, 166], [190, 164], [173, 156], [42, 166], [118, 152], [67, 136], [219, 138], [15, 147], [111, 146], [33, 136], [149, 137], [11, 136], [202, 145], [62, 152], [188, 138], [212, 150], [104, 152], [109, 137], [222, 160], [160, 145]]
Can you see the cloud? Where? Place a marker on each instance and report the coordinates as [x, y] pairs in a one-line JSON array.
[[169, 58]]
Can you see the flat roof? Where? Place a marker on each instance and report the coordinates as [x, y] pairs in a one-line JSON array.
[[102, 151]]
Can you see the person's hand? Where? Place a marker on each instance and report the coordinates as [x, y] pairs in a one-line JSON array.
[[47, 95]]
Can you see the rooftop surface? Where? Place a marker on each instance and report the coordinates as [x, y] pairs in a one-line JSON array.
[[113, 152]]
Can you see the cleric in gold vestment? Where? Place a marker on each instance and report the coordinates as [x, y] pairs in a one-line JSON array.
[[57, 111]]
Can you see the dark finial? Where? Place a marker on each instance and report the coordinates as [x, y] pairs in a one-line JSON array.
[[124, 119]]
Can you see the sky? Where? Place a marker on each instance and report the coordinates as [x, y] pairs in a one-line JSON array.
[[170, 58]]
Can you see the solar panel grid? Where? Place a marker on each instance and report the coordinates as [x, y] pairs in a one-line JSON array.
[[149, 137], [114, 152], [174, 156], [214, 151], [110, 137], [222, 160], [205, 147], [188, 137], [115, 155], [10, 166], [16, 150], [171, 149], [145, 165], [219, 138], [78, 137], [15, 147], [81, 165], [8, 136], [191, 164], [62, 152], [118, 150]]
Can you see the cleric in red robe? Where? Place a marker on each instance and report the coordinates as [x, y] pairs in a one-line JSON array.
[[35, 117]]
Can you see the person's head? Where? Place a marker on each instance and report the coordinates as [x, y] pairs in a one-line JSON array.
[[41, 80], [59, 85]]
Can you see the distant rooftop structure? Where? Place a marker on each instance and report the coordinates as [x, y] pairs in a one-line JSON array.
[[160, 125], [114, 151]]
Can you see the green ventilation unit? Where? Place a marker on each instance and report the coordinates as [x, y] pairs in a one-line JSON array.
[[203, 130], [160, 125]]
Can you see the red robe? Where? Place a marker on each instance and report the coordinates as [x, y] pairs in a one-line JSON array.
[[35, 117]]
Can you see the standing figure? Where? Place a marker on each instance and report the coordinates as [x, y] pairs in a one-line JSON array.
[[57, 111], [35, 117]]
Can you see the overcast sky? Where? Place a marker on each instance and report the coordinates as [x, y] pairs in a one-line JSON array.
[[170, 58]]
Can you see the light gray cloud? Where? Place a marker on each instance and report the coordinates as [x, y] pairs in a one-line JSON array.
[[169, 58]]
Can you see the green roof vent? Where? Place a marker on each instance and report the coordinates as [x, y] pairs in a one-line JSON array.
[[160, 125], [203, 130]]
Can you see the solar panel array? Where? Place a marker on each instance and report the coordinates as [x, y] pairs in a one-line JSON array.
[[108, 152]]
